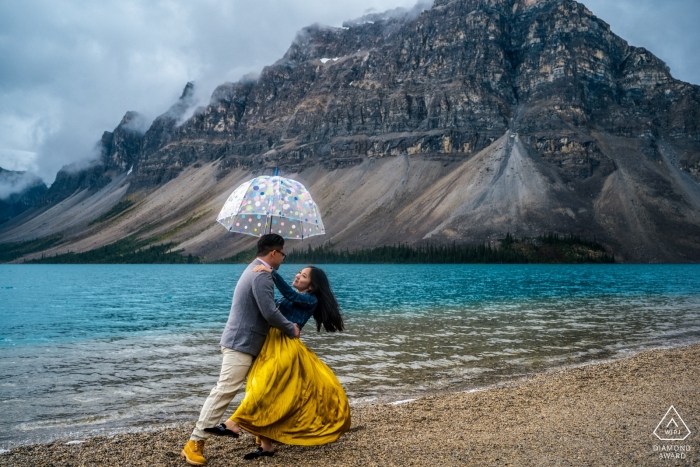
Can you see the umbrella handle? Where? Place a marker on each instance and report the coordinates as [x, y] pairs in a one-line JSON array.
[[269, 221]]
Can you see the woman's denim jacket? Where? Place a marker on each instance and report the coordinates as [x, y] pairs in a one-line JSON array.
[[296, 307]]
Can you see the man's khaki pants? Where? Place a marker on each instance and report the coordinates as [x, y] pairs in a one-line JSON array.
[[234, 369]]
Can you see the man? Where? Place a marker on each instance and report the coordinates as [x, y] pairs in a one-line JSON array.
[[253, 311]]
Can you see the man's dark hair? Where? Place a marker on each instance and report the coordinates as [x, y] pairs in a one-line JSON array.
[[269, 242]]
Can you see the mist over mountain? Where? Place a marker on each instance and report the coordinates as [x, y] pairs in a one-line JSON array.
[[459, 122], [19, 191]]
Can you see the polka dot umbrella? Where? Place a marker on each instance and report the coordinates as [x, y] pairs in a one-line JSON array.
[[272, 204]]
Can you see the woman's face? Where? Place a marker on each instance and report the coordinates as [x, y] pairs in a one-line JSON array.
[[302, 280]]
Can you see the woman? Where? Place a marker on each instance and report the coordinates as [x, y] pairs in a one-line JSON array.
[[291, 396]]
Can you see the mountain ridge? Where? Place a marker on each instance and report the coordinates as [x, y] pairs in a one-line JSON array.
[[458, 123]]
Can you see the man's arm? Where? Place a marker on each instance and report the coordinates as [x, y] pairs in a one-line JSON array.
[[264, 293]]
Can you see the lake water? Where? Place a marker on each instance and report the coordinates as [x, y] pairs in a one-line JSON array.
[[89, 349]]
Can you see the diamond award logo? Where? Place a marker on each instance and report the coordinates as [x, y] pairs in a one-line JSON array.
[[672, 427]]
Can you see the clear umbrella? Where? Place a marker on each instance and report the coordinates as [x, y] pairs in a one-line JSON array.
[[272, 204]]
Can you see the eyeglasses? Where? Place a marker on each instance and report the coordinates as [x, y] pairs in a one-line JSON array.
[[282, 253]]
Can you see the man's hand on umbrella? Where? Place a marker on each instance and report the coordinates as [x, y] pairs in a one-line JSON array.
[[261, 268]]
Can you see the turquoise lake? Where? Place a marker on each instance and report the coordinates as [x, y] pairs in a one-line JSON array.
[[91, 349]]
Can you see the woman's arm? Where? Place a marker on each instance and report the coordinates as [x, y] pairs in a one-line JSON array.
[[305, 300]]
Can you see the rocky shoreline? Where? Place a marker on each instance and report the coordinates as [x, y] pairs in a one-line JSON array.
[[601, 414]]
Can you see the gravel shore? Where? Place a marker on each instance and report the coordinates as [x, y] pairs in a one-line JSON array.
[[602, 414]]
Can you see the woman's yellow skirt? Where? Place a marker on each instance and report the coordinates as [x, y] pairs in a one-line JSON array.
[[291, 396]]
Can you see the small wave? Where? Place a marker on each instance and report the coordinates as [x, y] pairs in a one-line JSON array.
[[405, 401]]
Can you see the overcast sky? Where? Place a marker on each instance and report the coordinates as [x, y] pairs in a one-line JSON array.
[[69, 70]]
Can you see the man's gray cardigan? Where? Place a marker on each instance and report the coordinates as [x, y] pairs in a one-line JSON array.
[[253, 311]]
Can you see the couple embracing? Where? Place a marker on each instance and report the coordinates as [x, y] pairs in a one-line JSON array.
[[291, 397]]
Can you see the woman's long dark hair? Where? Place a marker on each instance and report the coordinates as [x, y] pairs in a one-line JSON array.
[[327, 311]]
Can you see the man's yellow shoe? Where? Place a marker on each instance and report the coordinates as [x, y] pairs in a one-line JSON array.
[[193, 452]]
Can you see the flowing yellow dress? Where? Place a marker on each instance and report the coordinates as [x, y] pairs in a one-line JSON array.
[[291, 396]]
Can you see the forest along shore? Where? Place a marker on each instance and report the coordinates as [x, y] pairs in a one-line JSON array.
[[601, 414]]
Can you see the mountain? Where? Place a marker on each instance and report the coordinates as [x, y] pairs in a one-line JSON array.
[[19, 191], [460, 122]]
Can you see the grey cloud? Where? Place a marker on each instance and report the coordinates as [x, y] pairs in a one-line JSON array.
[[396, 13], [18, 160], [71, 70], [137, 123], [16, 182]]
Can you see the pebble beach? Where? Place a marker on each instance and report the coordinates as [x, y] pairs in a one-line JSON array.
[[596, 414]]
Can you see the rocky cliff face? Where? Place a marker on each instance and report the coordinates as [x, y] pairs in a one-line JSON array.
[[447, 83], [532, 115], [120, 149]]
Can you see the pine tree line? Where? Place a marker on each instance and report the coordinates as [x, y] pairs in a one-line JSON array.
[[125, 251], [402, 253], [567, 248]]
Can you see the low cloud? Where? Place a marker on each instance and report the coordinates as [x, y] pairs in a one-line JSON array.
[[14, 160], [138, 123], [371, 15], [16, 182]]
